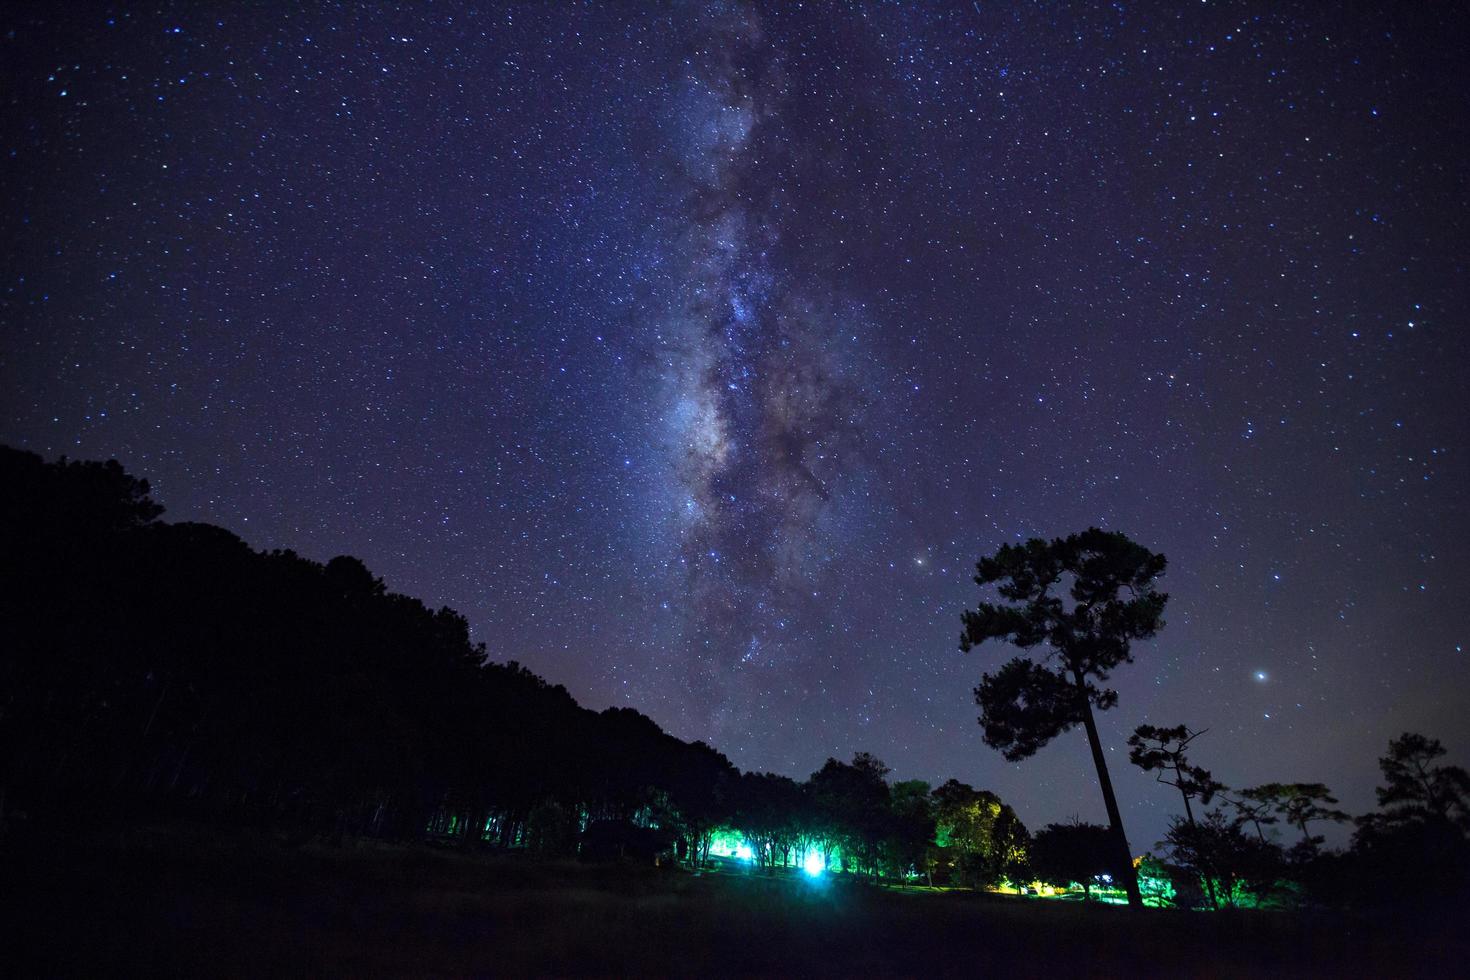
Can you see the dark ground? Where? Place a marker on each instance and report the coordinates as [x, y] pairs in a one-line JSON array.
[[182, 902]]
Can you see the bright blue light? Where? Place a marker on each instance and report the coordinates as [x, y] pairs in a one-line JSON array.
[[813, 863], [744, 853]]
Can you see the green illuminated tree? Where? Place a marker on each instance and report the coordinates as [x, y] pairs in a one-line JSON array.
[[1238, 869], [986, 837], [1156, 883], [1109, 581], [852, 801], [766, 811], [698, 784]]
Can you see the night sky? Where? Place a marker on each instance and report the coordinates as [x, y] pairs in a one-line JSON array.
[[696, 353]]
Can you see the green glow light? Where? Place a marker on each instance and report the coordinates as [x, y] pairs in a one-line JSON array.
[[724, 842]]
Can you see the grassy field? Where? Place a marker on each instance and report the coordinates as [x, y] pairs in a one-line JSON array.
[[179, 903]]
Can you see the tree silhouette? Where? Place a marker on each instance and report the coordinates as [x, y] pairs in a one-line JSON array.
[[910, 827], [1161, 750], [151, 669], [854, 803], [1300, 804], [1062, 853], [1415, 789], [1422, 823], [1255, 812], [1026, 704], [1221, 854], [766, 812]]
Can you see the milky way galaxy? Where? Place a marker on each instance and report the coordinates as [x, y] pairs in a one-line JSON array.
[[763, 401]]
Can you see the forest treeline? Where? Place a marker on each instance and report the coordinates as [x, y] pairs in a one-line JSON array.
[[153, 669], [167, 668], [1074, 606]]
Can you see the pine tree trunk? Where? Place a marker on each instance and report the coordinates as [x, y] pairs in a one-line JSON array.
[[1209, 882], [1120, 840]]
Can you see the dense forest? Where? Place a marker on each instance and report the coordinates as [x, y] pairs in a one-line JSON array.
[[153, 670]]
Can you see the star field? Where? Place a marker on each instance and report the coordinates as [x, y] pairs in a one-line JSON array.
[[695, 353]]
